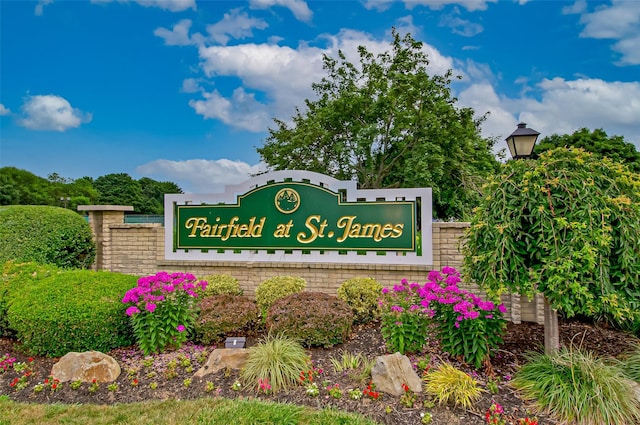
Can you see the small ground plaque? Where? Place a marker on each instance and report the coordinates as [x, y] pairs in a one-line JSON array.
[[235, 342]]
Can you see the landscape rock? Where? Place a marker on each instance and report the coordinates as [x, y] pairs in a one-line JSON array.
[[391, 371], [223, 358], [86, 367]]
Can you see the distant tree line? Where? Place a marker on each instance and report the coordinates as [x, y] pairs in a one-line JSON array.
[[21, 187]]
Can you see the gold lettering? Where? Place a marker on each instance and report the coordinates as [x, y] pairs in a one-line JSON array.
[[316, 232], [195, 224], [345, 223], [282, 230], [255, 230]]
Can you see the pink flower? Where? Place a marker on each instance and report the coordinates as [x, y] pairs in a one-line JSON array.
[[502, 308], [180, 328], [150, 307], [132, 310]]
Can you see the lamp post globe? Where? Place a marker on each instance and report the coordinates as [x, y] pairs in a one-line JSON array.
[[522, 141]]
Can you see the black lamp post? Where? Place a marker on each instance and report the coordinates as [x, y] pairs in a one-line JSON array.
[[522, 141]]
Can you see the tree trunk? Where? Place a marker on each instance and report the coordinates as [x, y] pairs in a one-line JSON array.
[[551, 329]]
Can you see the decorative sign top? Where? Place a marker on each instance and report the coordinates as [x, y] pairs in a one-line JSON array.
[[290, 215]]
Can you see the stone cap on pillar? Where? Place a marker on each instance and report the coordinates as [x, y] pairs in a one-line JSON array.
[[105, 208]]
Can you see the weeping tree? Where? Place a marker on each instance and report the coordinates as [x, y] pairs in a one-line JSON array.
[[566, 225]]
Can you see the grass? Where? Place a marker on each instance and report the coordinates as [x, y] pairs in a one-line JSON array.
[[276, 360], [196, 412], [449, 385], [630, 365], [576, 387]]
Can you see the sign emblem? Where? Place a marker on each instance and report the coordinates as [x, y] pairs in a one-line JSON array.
[[287, 200]]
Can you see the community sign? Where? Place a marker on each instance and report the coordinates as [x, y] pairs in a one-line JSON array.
[[290, 215]]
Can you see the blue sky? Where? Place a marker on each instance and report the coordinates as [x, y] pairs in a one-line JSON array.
[[185, 90]]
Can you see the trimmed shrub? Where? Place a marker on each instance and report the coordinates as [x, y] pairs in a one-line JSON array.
[[76, 310], [277, 361], [276, 288], [362, 295], [574, 386], [314, 318], [219, 284], [47, 235], [222, 315], [14, 276]]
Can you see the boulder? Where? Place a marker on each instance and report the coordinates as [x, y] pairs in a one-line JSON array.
[[391, 371], [223, 358], [86, 367]]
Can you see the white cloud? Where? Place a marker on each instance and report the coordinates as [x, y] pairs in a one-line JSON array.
[[201, 175], [4, 110], [578, 7], [282, 75], [178, 35], [241, 111], [170, 5], [561, 107], [470, 5], [39, 9], [460, 26], [190, 85], [618, 21], [235, 24], [299, 8], [50, 112]]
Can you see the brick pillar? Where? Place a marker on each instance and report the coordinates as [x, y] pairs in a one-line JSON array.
[[101, 217]]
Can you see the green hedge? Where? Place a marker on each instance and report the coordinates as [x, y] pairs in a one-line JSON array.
[[75, 310], [47, 235]]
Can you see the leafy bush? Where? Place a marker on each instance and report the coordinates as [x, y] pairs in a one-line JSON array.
[[48, 235], [162, 309], [277, 287], [14, 276], [362, 294], [576, 387], [221, 315], [219, 284], [314, 318], [75, 310], [277, 360], [449, 385]]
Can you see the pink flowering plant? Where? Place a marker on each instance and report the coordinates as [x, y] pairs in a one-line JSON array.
[[162, 308], [404, 326], [465, 324]]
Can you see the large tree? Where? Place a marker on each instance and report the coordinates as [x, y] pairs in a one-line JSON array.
[[388, 123], [597, 142]]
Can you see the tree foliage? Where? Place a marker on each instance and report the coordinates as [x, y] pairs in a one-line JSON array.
[[597, 142], [566, 225], [387, 123], [21, 187]]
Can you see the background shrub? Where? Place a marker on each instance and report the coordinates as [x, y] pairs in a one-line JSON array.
[[14, 276], [225, 315], [47, 235], [362, 294], [218, 284], [75, 310], [277, 287], [313, 318]]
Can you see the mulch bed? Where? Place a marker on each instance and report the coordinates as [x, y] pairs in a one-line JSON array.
[[519, 339]]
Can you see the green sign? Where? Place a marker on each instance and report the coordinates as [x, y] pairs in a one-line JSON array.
[[297, 216]]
